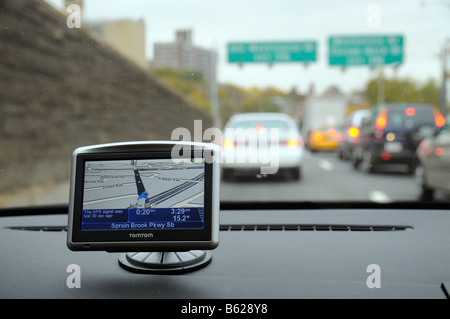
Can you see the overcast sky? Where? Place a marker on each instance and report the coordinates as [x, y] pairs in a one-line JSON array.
[[425, 25]]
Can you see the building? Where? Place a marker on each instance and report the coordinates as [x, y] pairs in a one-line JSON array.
[[183, 55], [128, 37], [333, 92]]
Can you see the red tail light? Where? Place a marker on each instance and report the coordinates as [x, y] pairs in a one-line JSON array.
[[292, 143], [439, 151], [381, 121], [439, 120], [386, 156], [410, 111], [353, 132], [260, 129], [425, 148], [331, 131], [317, 137]]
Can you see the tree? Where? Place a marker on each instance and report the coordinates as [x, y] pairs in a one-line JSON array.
[[233, 99], [404, 90]]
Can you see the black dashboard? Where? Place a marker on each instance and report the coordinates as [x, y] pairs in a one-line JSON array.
[[263, 254]]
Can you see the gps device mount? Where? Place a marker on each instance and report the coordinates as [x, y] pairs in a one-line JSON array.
[[157, 203], [165, 262]]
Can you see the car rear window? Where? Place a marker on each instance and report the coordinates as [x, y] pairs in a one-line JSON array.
[[268, 124], [410, 117]]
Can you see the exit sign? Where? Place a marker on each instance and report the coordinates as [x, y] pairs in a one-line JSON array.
[[272, 52], [365, 50]]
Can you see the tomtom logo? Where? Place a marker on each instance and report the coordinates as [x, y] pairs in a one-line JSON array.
[[141, 235]]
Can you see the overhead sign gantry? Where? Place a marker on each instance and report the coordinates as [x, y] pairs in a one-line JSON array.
[[372, 51]]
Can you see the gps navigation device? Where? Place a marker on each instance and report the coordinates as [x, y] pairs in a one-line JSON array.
[[144, 197]]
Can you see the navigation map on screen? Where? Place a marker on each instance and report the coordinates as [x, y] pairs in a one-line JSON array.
[[143, 194]]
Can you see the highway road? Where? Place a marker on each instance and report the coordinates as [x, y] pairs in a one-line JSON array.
[[326, 178]]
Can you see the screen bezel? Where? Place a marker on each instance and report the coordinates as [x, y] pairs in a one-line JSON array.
[[120, 240]]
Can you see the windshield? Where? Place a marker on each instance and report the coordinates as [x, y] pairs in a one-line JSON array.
[[87, 72]]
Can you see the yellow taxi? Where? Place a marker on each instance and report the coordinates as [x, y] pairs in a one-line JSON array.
[[323, 138]]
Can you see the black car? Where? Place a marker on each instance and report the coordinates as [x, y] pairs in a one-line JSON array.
[[392, 134]]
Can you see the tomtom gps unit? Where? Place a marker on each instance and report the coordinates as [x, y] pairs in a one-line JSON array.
[[144, 197]]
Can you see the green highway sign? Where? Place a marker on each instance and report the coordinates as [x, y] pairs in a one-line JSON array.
[[272, 52], [365, 50]]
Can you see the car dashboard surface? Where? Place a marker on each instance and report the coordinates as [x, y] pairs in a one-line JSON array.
[[263, 253]]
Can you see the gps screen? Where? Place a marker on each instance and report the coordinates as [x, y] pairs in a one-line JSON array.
[[156, 194]]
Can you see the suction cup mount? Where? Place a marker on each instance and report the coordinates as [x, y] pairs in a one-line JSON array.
[[165, 262]]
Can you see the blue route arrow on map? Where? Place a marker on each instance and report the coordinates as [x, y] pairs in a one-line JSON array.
[[143, 195]]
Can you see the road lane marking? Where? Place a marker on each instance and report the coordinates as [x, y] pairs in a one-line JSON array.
[[326, 165], [379, 197]]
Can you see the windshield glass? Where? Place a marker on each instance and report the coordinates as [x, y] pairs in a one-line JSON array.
[[87, 72]]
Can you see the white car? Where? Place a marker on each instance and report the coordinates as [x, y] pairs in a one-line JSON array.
[[262, 144]]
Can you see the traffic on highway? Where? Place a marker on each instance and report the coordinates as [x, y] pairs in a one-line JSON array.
[[381, 164], [182, 150], [325, 178], [372, 110]]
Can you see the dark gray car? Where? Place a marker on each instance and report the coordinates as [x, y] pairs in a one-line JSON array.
[[433, 169], [392, 134], [351, 131]]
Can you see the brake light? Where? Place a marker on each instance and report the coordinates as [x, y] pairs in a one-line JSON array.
[[228, 143], [386, 156], [353, 132], [425, 148], [317, 137], [381, 121], [292, 143], [339, 137], [410, 111], [439, 120], [439, 151], [260, 129], [331, 131]]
